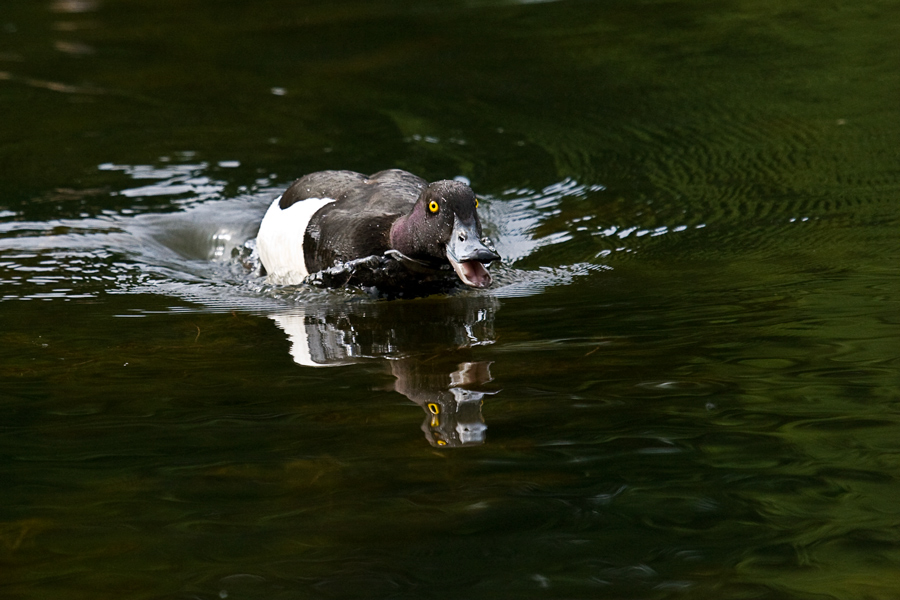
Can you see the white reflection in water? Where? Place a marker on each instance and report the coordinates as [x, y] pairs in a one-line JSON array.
[[172, 180], [74, 6]]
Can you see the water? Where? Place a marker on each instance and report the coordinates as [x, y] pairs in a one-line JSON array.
[[684, 383]]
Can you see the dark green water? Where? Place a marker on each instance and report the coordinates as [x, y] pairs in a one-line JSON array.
[[688, 369]]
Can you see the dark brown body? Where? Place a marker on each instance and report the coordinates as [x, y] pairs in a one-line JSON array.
[[358, 223]]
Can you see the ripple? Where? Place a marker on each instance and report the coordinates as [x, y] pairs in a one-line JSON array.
[[74, 48], [194, 253], [519, 283], [517, 219], [172, 180], [74, 6], [53, 86]]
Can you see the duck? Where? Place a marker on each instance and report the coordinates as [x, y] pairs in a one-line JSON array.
[[391, 231]]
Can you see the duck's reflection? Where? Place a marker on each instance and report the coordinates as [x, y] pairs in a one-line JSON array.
[[427, 345], [452, 407]]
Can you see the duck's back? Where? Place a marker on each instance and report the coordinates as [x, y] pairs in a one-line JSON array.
[[357, 224]]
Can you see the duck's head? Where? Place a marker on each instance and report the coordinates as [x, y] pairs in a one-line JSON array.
[[443, 227]]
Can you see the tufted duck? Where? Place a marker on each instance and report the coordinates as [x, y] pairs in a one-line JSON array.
[[392, 231]]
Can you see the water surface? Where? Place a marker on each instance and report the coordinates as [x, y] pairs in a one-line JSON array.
[[683, 384]]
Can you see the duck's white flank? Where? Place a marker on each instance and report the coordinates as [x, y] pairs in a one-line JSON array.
[[280, 239]]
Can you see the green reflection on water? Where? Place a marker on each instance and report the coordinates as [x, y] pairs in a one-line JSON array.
[[715, 415]]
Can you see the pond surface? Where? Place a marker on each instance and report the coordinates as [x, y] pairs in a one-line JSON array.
[[685, 382]]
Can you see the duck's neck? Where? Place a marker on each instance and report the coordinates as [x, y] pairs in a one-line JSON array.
[[402, 235]]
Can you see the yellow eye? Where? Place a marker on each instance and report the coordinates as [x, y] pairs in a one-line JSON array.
[[433, 206], [476, 202], [433, 408]]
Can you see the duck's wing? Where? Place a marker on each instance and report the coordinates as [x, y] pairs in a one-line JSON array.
[[358, 224], [322, 184]]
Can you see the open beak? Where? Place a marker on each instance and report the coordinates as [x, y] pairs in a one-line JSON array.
[[468, 255]]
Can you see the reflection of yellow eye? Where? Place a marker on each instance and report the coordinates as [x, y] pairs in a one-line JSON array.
[[476, 202], [433, 206], [435, 421], [441, 443], [434, 408]]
